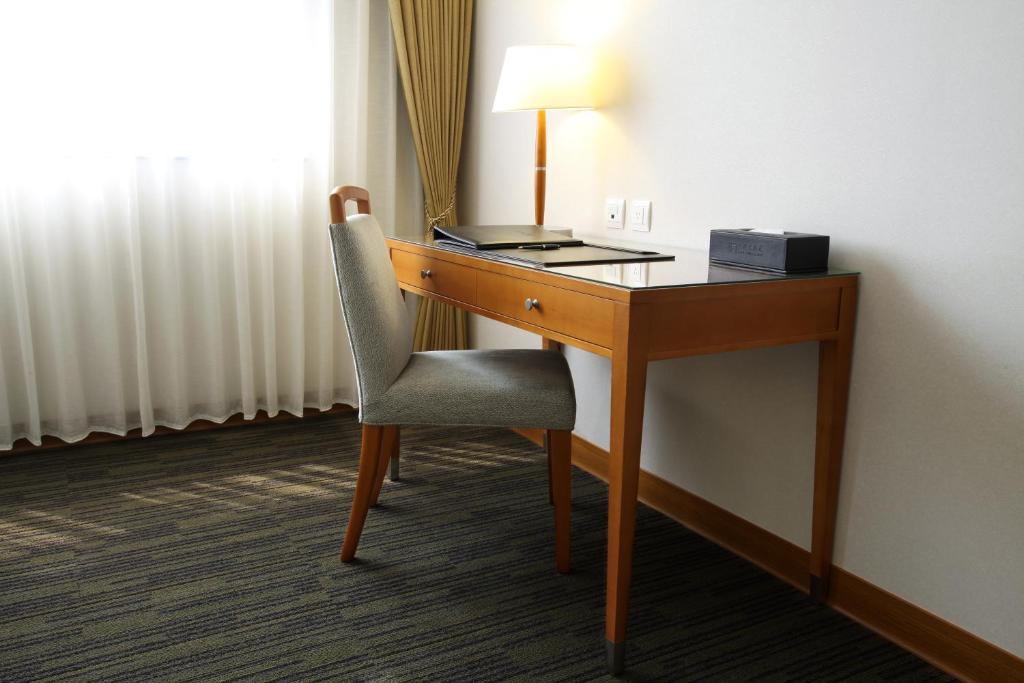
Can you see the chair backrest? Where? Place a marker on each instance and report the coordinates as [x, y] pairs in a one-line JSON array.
[[371, 302]]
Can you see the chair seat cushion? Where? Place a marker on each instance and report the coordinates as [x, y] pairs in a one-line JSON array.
[[501, 388]]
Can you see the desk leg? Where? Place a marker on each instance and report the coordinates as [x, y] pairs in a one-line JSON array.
[[834, 359], [629, 382], [550, 344]]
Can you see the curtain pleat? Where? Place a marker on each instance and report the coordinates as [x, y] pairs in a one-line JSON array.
[[432, 42]]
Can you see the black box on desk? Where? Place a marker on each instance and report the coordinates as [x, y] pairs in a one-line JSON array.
[[787, 252]]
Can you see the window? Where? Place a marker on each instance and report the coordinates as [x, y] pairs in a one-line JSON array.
[[178, 78]]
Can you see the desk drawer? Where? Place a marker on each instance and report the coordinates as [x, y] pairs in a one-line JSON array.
[[574, 314], [434, 275]]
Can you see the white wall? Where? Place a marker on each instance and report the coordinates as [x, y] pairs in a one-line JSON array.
[[895, 126]]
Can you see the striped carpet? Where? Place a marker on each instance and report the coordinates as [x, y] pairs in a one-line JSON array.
[[213, 556]]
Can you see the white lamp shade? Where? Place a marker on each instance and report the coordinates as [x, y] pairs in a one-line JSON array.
[[544, 77]]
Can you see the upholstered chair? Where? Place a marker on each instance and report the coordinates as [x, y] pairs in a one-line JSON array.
[[504, 388]]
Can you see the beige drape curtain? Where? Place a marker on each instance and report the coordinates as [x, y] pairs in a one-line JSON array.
[[432, 41]]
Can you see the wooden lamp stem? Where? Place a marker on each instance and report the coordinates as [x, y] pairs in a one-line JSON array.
[[540, 171]]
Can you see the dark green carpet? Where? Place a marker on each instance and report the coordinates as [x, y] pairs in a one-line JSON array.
[[213, 556]]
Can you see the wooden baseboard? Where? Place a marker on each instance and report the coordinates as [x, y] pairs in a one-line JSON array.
[[945, 645], [51, 442], [933, 639]]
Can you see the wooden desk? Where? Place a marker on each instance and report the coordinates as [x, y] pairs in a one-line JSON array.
[[667, 310]]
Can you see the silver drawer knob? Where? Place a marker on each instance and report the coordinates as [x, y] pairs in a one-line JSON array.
[[531, 304], [424, 274]]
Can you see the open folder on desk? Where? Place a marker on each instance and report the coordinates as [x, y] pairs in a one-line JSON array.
[[535, 246], [504, 236]]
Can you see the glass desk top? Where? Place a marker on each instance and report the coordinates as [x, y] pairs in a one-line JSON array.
[[690, 268]]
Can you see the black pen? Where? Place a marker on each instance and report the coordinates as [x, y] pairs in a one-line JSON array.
[[541, 247]]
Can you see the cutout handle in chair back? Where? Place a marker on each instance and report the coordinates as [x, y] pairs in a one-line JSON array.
[[371, 302], [346, 193]]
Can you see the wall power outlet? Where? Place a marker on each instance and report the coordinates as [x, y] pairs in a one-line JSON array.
[[640, 215]]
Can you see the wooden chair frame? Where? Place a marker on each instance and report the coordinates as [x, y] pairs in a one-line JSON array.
[[346, 193]]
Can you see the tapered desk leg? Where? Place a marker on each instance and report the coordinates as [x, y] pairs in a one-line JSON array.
[[629, 381], [834, 360]]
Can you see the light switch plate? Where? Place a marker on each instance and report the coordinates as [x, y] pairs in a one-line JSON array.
[[640, 215], [614, 210]]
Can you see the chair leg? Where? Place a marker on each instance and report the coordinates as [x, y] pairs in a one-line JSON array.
[[368, 458], [551, 487], [388, 450], [560, 459], [393, 475]]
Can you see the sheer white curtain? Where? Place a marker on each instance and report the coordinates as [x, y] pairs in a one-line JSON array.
[[164, 170]]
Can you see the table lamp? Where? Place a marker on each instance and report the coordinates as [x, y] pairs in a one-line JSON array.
[[542, 77]]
